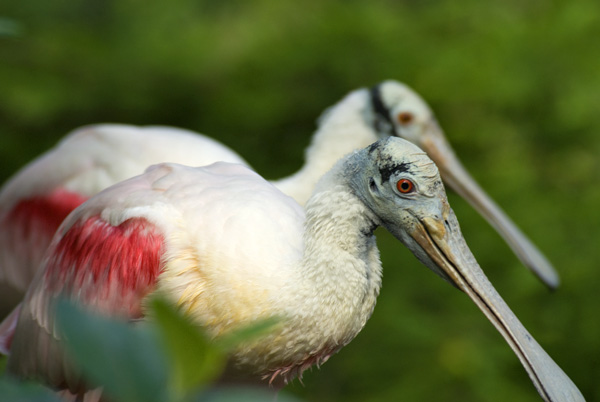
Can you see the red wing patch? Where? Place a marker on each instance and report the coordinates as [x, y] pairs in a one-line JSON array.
[[27, 229], [44, 213], [111, 267]]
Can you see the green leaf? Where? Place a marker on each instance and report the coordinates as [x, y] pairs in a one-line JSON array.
[[195, 360], [125, 359], [248, 332], [15, 391]]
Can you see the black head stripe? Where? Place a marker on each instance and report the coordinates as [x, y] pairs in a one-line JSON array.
[[387, 171], [383, 121]]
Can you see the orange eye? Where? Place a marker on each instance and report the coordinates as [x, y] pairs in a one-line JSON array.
[[405, 117], [405, 186]]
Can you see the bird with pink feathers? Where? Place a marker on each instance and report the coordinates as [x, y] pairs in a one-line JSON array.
[[226, 248], [35, 200]]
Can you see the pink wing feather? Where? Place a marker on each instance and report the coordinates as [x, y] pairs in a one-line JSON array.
[[27, 229], [34, 201], [109, 269]]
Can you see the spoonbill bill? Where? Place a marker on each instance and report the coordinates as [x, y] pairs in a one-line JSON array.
[[36, 200], [226, 248]]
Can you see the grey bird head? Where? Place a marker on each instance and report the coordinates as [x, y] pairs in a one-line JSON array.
[[398, 111], [401, 186]]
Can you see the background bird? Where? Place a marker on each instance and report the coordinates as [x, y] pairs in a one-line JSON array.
[[36, 199], [227, 248]]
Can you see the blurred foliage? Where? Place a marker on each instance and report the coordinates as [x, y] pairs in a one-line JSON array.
[[165, 359], [14, 391], [194, 360], [9, 27], [123, 359], [515, 84]]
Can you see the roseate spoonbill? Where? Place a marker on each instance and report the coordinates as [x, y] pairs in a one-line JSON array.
[[35, 200], [226, 247]]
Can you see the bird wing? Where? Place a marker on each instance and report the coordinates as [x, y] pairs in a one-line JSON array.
[[35, 201], [189, 232]]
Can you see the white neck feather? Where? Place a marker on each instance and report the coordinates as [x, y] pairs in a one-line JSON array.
[[342, 129], [341, 260], [334, 289]]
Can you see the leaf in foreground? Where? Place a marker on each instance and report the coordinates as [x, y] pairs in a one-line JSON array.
[[15, 391], [125, 359], [248, 332], [195, 360]]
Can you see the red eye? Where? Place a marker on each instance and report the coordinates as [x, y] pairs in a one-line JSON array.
[[405, 117], [405, 186]]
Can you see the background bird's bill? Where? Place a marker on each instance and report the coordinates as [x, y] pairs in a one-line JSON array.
[[456, 176], [449, 255]]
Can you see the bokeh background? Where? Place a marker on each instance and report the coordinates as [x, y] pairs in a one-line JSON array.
[[515, 85]]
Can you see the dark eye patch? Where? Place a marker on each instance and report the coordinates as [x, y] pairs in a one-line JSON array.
[[387, 170]]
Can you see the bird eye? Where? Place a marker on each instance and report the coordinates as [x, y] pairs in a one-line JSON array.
[[405, 186], [405, 117]]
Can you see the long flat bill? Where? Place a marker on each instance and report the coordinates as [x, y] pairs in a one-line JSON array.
[[456, 176], [449, 253]]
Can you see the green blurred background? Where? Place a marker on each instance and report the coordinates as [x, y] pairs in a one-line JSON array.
[[515, 85]]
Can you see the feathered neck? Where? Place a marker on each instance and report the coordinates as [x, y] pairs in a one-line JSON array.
[[338, 229], [334, 291], [343, 128]]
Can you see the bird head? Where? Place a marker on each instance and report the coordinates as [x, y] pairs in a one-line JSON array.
[[396, 110], [399, 112], [401, 185]]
